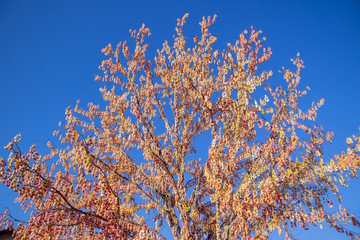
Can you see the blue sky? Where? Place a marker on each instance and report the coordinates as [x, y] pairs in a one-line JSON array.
[[50, 51]]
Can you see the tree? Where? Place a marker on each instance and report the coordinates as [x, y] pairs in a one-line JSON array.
[[136, 157]]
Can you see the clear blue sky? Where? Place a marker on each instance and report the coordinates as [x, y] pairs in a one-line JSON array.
[[50, 51]]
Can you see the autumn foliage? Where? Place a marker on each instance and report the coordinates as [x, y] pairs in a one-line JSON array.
[[132, 169]]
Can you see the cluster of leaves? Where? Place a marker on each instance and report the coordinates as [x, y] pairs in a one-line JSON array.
[[264, 170]]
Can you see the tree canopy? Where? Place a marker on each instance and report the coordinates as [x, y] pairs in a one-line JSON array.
[[130, 168]]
